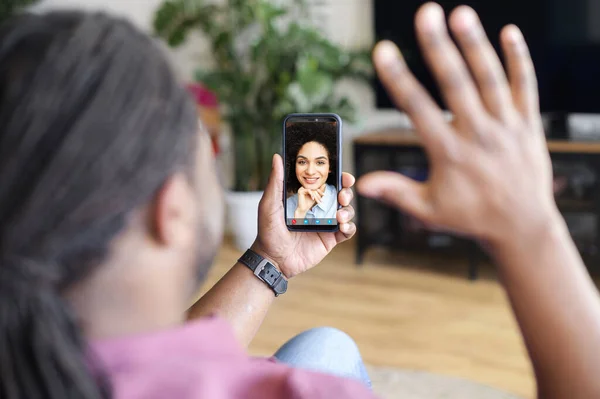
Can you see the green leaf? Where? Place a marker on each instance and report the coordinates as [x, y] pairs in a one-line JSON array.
[[312, 81], [174, 19], [222, 42], [316, 84], [218, 82], [8, 8], [299, 98], [266, 12]]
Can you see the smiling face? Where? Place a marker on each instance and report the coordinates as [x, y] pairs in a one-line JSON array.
[[312, 165]]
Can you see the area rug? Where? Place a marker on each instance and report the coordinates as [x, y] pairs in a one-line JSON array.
[[403, 384]]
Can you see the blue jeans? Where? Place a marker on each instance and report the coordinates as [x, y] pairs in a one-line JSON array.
[[326, 350]]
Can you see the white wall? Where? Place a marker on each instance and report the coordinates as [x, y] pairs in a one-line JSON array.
[[141, 13], [138, 11]]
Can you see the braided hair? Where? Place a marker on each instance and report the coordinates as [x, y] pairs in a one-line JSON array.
[[92, 123], [300, 133]]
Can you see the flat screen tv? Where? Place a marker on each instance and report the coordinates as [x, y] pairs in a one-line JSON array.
[[563, 36]]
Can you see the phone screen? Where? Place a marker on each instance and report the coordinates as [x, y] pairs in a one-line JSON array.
[[312, 159]]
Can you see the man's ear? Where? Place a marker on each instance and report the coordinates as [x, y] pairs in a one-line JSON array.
[[173, 212]]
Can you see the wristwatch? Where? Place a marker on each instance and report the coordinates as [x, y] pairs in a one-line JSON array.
[[265, 271]]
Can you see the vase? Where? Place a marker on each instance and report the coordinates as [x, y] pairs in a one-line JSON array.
[[242, 214]]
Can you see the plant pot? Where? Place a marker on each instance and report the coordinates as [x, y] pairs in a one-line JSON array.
[[242, 214]]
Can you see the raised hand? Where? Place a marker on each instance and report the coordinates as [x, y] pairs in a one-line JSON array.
[[295, 252], [490, 178], [490, 173]]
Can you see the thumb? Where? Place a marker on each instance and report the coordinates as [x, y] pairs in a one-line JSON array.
[[274, 191], [398, 191]]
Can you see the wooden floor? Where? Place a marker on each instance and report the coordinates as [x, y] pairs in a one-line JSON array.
[[404, 311]]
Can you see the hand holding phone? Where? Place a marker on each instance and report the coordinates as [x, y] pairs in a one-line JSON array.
[[293, 251], [324, 189]]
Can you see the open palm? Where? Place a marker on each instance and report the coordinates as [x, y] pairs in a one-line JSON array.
[[296, 252]]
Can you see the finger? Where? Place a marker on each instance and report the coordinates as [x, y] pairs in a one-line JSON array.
[[447, 65], [318, 194], [345, 232], [345, 215], [410, 96], [521, 72], [398, 191], [274, 190], [348, 180], [345, 196], [483, 62], [318, 199]]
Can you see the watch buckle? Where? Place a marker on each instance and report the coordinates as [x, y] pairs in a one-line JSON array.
[[260, 267]]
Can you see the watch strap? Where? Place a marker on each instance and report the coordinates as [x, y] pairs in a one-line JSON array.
[[265, 271]]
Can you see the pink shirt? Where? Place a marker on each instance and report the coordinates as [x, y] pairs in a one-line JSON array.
[[202, 359]]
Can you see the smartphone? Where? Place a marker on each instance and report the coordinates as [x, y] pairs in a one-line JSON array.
[[312, 157]]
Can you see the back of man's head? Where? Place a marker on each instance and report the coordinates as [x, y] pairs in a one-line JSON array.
[[92, 123]]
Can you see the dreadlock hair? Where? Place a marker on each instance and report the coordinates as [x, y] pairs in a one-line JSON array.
[[92, 123], [300, 133]]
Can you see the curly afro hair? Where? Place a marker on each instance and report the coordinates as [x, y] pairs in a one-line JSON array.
[[300, 133]]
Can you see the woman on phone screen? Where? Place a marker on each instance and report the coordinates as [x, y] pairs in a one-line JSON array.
[[311, 168]]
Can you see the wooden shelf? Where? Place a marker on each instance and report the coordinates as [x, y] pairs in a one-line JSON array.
[[408, 138], [568, 146], [400, 137], [575, 205]]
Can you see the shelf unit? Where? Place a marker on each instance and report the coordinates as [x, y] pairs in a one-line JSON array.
[[399, 150]]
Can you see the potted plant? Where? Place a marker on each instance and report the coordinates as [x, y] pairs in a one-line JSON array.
[[10, 7], [269, 61]]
